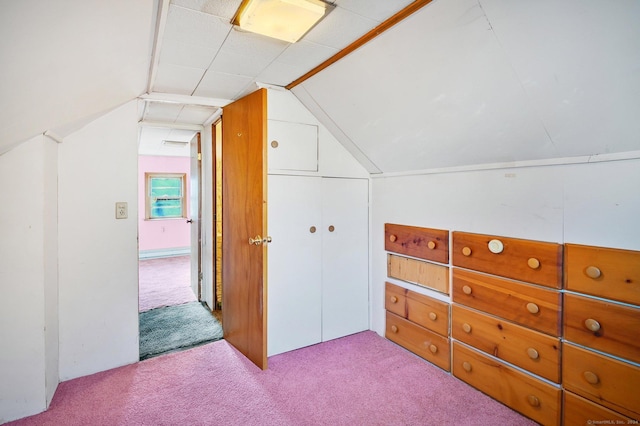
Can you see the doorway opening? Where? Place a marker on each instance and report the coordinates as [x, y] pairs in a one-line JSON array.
[[172, 312]]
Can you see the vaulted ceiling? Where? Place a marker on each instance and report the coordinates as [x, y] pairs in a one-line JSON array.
[[459, 82]]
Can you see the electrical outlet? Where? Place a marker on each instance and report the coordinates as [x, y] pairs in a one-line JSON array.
[[121, 210]]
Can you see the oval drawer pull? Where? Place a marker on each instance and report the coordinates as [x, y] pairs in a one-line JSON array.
[[431, 245], [533, 263], [593, 272], [433, 349], [533, 401], [533, 354], [592, 324], [591, 377], [533, 308], [394, 328], [466, 328], [392, 238], [466, 251], [466, 289], [393, 299], [433, 316], [467, 366]]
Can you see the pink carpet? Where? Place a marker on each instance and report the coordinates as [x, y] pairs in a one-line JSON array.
[[356, 380], [165, 282]]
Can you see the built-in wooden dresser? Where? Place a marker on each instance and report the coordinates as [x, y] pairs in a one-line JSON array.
[[415, 321], [601, 360], [506, 321]]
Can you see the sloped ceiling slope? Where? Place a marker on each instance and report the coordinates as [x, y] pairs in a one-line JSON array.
[[66, 61], [468, 82]]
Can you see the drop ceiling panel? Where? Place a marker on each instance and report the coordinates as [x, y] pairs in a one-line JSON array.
[[177, 79], [230, 62], [281, 74], [254, 45], [194, 114], [219, 85], [187, 54], [162, 112], [376, 10], [306, 54], [225, 9], [193, 27], [454, 101], [339, 29]]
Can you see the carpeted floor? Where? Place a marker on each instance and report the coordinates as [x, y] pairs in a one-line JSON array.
[[362, 379], [165, 282], [176, 327]]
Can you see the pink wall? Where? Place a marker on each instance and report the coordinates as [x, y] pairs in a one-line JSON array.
[[168, 233]]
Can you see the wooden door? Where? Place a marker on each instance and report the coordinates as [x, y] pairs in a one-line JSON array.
[[244, 280]]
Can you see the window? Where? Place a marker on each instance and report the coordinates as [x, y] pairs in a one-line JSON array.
[[165, 195]]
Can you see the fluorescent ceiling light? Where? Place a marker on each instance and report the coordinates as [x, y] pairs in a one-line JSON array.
[[286, 20]]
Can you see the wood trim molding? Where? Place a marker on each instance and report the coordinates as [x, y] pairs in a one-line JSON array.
[[384, 26]]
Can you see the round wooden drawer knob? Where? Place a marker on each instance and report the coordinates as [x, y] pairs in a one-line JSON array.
[[466, 289], [533, 308], [593, 272], [533, 263], [466, 328], [392, 238], [394, 328], [431, 245], [393, 299], [467, 366], [591, 377], [592, 324], [466, 251], [433, 316], [533, 401], [433, 349], [533, 354]]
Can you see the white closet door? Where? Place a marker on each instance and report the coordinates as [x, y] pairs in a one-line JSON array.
[[345, 251], [294, 268]]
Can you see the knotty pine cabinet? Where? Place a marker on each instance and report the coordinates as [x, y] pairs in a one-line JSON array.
[[317, 261]]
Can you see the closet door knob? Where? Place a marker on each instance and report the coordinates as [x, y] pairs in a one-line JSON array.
[[593, 272], [312, 229], [592, 324], [332, 228]]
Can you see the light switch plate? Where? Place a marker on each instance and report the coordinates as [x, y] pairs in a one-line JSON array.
[[121, 210]]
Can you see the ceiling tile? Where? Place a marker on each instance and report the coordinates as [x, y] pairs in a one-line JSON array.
[[219, 85], [250, 44], [306, 54], [340, 28], [192, 27], [186, 54], [195, 114], [233, 63], [376, 10], [281, 74], [223, 8], [176, 79], [180, 135], [162, 112]]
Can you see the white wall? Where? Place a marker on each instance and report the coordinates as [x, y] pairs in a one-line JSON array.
[[590, 203], [98, 255], [28, 279]]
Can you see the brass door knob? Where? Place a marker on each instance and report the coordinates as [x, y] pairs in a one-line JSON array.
[[256, 241]]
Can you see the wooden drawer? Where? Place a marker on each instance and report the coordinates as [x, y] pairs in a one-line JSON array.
[[609, 273], [602, 379], [532, 261], [395, 299], [531, 306], [425, 243], [419, 272], [606, 326], [525, 348], [428, 312], [424, 343], [532, 397], [582, 412]]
